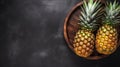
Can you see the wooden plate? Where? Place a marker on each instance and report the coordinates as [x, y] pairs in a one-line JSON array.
[[71, 27]]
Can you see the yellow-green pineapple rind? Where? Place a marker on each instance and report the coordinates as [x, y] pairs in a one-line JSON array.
[[106, 39], [84, 43]]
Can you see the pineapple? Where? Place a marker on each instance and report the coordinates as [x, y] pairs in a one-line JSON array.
[[107, 36], [84, 39]]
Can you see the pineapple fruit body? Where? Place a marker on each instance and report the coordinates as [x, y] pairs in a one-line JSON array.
[[106, 39], [84, 43], [84, 39], [107, 36]]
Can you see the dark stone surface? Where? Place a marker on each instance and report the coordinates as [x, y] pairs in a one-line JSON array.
[[31, 35]]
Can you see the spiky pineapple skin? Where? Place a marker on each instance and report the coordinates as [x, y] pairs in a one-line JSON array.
[[106, 39], [84, 43]]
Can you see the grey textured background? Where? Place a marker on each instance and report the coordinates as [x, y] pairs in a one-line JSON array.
[[31, 35]]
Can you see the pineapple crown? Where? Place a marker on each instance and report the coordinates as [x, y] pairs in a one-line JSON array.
[[111, 14], [90, 12]]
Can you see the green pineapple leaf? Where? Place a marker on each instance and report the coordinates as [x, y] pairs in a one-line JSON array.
[[90, 13]]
